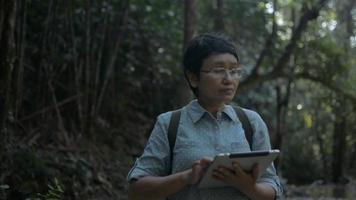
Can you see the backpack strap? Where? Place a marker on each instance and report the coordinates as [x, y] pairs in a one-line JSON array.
[[246, 125], [172, 131]]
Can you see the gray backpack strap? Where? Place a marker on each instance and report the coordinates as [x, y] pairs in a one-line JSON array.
[[172, 132], [246, 125]]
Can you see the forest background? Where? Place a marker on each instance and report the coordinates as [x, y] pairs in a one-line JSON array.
[[82, 82]]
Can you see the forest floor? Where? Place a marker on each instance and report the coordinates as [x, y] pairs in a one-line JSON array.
[[88, 171], [321, 191]]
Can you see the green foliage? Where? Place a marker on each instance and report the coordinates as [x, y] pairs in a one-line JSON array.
[[71, 45], [55, 192], [30, 165], [300, 165]]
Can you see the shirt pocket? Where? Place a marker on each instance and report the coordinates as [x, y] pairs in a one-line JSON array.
[[190, 150], [185, 144], [185, 153]]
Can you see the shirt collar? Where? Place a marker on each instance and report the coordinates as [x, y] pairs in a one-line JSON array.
[[230, 112], [196, 111]]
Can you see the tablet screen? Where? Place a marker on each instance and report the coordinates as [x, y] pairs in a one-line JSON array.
[[246, 159]]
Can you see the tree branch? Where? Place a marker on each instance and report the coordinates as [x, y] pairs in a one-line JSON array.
[[255, 79], [50, 108], [268, 43], [327, 84]]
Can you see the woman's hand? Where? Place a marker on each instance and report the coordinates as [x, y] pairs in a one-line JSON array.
[[155, 187], [245, 181], [193, 175], [238, 177]]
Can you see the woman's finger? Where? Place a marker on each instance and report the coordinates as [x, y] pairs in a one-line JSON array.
[[226, 171], [237, 168], [217, 174], [255, 172], [205, 161]]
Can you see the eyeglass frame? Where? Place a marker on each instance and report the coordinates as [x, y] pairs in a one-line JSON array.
[[240, 72]]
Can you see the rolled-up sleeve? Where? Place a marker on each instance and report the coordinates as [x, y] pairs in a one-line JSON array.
[[155, 160], [261, 141], [270, 178]]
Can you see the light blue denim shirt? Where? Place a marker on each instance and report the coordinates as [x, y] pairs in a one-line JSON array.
[[200, 134]]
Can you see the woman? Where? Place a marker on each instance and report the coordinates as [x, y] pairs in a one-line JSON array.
[[208, 126]]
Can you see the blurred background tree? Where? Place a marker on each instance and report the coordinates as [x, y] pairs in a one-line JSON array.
[[81, 83]]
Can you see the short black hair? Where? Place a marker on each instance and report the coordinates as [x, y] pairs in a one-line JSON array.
[[201, 47]]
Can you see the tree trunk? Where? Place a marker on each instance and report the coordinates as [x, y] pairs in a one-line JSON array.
[[7, 61], [319, 130], [339, 142], [113, 58], [21, 43], [345, 30], [88, 121], [282, 107], [219, 24], [353, 158], [190, 20]]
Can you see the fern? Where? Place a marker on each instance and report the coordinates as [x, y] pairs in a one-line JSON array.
[[55, 192]]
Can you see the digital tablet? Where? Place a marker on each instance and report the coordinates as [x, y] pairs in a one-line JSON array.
[[246, 159]]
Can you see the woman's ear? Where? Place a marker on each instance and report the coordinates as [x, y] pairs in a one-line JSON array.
[[193, 79]]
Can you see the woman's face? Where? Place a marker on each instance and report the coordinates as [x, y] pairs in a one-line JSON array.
[[219, 78]]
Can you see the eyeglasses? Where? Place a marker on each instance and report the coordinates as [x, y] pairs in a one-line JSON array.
[[220, 72]]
